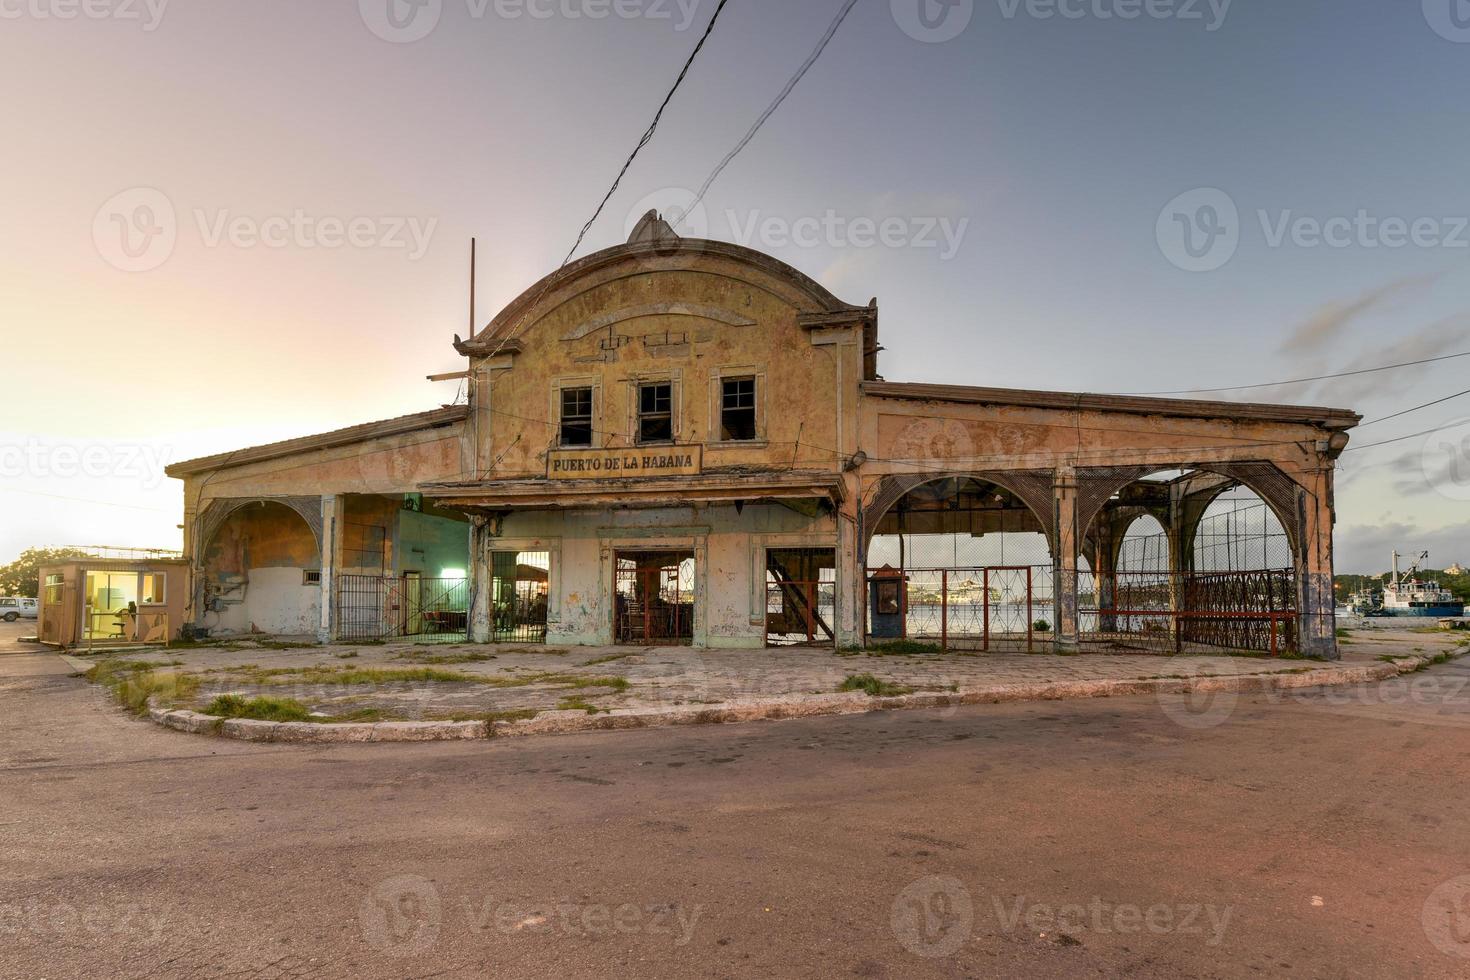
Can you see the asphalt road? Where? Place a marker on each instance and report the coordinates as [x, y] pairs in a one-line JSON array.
[[1320, 836]]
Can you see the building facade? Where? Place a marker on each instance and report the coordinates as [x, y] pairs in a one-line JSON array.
[[687, 441]]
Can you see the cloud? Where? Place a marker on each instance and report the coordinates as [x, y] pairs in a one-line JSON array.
[[1327, 324], [1366, 549]]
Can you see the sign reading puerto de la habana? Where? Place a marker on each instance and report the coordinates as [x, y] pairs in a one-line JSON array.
[[634, 462]]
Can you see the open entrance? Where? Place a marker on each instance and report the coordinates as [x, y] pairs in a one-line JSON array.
[[654, 598], [801, 596], [519, 585], [964, 563], [1188, 562]]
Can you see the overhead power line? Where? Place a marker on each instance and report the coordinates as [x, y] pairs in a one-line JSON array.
[[1416, 408], [771, 109], [1298, 381], [648, 133]]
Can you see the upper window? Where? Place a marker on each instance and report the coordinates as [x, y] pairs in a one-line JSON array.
[[153, 590], [737, 409], [656, 413], [576, 416], [54, 585]]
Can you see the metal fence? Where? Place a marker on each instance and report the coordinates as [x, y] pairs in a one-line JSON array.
[[378, 607], [983, 608], [1190, 612]]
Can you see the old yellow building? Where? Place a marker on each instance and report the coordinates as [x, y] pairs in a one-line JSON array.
[[680, 440]]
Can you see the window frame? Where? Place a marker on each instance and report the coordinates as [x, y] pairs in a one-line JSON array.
[[579, 390], [642, 416], [162, 582], [753, 408]]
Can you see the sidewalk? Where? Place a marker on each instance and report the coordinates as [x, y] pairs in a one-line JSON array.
[[402, 691]]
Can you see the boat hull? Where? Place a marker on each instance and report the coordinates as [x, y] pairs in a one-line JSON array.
[[1425, 612]]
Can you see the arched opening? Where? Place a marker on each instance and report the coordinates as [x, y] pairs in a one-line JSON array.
[[962, 562], [262, 573], [1189, 561]]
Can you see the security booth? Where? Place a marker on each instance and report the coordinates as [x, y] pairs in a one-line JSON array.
[[100, 601], [886, 602]]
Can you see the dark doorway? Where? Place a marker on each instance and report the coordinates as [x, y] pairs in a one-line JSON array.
[[654, 598], [801, 596]]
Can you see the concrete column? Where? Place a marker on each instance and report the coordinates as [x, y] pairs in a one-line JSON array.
[[333, 511], [1177, 567], [481, 625], [850, 588], [1316, 602], [1064, 562]]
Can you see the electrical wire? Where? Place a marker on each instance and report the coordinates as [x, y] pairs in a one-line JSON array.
[[1298, 381], [1416, 408], [780, 98]]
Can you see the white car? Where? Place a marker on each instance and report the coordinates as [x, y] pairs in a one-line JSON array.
[[12, 609]]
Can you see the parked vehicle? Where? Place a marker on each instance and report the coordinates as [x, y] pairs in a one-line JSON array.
[[13, 608]]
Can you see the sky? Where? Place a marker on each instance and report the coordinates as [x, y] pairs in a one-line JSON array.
[[231, 223]]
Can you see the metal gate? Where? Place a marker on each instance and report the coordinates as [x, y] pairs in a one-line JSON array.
[[654, 598], [380, 607], [1190, 612], [982, 608]]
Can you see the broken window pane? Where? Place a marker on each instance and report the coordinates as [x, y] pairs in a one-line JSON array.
[[576, 416], [656, 413], [737, 409]]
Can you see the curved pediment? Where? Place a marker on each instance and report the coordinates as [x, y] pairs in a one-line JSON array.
[[654, 250]]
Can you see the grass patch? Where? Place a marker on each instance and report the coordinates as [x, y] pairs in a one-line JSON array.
[[349, 655], [891, 648], [258, 709], [444, 658], [872, 686], [134, 682], [605, 660], [579, 682], [577, 703], [1343, 632]]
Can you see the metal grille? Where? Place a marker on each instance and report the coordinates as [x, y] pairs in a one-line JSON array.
[[518, 596], [376, 607], [983, 608], [1189, 612], [654, 600]]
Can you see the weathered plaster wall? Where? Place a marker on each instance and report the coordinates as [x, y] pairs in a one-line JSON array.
[[255, 570], [729, 553]]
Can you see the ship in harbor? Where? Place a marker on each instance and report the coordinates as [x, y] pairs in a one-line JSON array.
[[1409, 595]]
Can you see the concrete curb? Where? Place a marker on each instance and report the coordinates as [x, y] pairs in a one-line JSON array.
[[766, 709]]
